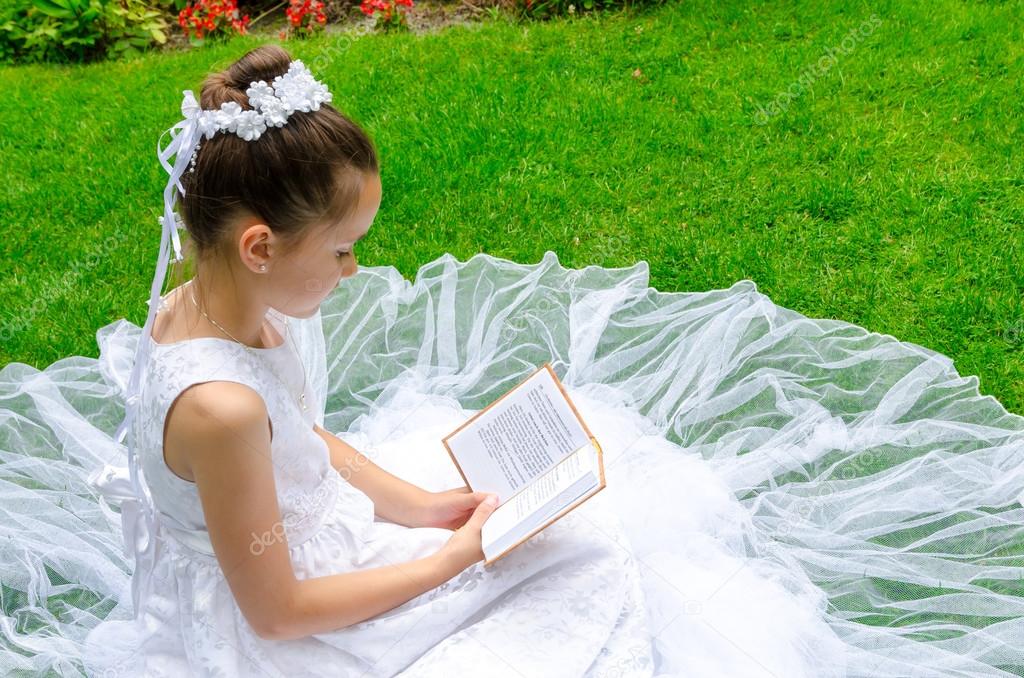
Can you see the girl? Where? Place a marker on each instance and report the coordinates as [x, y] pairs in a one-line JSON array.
[[265, 554], [785, 496]]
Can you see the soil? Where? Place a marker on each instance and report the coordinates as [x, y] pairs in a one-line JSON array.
[[425, 16]]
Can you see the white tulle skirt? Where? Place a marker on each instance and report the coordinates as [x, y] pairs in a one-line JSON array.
[[804, 498]]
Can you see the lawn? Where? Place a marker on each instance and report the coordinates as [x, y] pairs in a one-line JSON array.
[[884, 189]]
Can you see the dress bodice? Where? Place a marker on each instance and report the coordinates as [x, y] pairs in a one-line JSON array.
[[305, 480]]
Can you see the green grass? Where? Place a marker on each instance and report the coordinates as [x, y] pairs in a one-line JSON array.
[[889, 196]]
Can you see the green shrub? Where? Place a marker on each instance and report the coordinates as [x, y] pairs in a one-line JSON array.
[[29, 33], [78, 30], [171, 7], [132, 26]]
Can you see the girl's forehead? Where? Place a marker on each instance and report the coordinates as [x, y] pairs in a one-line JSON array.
[[358, 236], [343, 232]]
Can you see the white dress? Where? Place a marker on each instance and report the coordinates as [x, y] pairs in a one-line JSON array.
[[786, 496], [577, 583]]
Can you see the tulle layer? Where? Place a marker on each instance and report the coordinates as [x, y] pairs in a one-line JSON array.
[[865, 464], [708, 608], [763, 462]]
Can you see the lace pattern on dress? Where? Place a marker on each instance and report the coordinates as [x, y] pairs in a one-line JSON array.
[[300, 522]]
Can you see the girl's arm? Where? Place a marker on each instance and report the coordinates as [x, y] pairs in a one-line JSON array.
[[224, 429], [394, 499]]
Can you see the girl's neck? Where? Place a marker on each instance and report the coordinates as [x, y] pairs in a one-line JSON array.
[[240, 319]]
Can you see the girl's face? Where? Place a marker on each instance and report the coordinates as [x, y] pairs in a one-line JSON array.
[[310, 272]]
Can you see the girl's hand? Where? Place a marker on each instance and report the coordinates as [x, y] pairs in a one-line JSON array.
[[464, 548], [449, 509]]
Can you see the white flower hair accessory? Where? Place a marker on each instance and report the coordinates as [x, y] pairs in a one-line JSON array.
[[272, 105]]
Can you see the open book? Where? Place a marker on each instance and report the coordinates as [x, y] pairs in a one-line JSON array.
[[531, 448]]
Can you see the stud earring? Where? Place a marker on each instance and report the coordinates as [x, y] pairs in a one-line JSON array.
[[263, 267]]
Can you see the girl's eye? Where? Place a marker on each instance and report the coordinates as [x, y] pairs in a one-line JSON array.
[[342, 254]]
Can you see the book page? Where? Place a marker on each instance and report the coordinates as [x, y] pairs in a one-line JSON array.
[[518, 438], [553, 490]]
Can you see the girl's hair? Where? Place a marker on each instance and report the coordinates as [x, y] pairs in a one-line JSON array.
[[307, 173]]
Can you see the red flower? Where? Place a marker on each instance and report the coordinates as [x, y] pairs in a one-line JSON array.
[[205, 16], [298, 11]]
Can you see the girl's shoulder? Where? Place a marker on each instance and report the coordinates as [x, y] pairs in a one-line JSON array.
[[206, 413]]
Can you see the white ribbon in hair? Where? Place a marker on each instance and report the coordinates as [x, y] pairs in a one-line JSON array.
[[138, 514]]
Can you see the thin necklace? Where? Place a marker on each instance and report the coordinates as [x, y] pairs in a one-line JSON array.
[[302, 395]]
